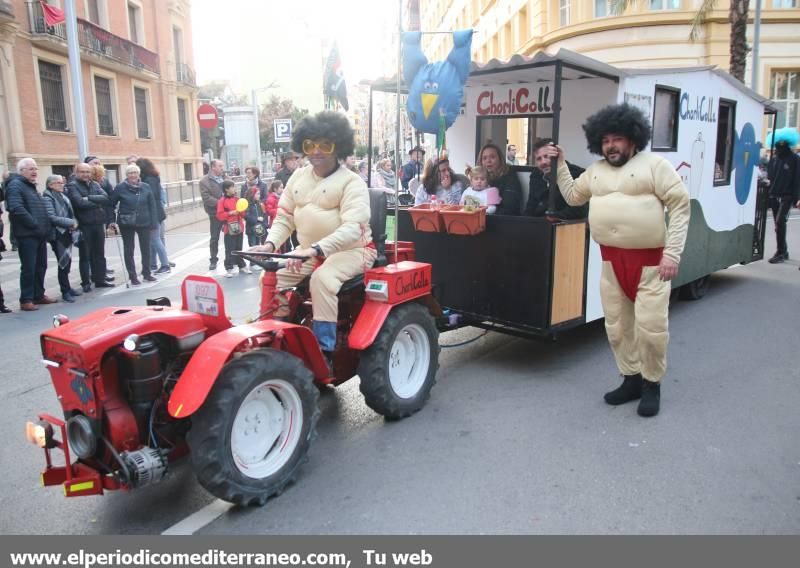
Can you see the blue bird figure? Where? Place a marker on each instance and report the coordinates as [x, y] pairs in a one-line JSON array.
[[746, 152], [435, 90]]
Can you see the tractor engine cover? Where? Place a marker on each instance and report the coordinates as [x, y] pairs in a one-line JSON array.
[[147, 466]]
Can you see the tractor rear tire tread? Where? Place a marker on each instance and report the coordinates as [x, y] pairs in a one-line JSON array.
[[211, 427], [372, 369]]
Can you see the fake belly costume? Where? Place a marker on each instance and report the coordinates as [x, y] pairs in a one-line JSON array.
[[626, 218], [332, 212]]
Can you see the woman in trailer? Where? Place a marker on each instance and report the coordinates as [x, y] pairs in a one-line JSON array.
[[439, 180], [501, 176]]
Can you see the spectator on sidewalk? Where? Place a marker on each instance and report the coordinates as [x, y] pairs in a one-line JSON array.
[[158, 240], [256, 218], [3, 308], [211, 192], [233, 226], [89, 202], [31, 225], [137, 216], [289, 163], [63, 233], [253, 178]]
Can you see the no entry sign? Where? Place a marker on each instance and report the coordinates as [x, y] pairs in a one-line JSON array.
[[207, 116]]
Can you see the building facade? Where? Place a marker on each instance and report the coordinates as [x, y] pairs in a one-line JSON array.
[[650, 34], [138, 82]]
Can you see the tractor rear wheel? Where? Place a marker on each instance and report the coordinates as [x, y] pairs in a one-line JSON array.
[[399, 369], [252, 433], [695, 290]]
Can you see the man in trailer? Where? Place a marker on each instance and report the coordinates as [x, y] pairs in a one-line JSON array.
[[629, 190], [539, 188]]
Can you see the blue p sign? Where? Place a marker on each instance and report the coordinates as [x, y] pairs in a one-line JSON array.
[[282, 128]]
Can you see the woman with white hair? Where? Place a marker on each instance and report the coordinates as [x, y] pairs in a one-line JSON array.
[[62, 217], [137, 214]]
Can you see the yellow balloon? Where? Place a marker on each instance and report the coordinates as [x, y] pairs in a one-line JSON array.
[[242, 205]]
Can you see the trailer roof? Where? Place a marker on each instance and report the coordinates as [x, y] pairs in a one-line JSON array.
[[541, 67]]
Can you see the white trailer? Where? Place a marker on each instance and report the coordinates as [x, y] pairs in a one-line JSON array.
[[527, 275]]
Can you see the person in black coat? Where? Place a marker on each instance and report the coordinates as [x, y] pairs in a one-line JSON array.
[[31, 225], [539, 188], [783, 173], [62, 217], [503, 178], [90, 204], [137, 215], [158, 241]]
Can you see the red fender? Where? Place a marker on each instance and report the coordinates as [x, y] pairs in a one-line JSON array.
[[204, 367], [369, 323]]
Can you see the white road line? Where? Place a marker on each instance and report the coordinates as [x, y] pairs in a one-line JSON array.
[[198, 520]]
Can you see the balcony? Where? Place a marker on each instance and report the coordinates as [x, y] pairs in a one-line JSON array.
[[184, 74], [96, 40]]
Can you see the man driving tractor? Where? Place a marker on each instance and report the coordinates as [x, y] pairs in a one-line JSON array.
[[328, 206]]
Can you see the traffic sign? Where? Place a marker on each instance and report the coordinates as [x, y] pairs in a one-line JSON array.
[[207, 116], [282, 128]]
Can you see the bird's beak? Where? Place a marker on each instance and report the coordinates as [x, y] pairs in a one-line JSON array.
[[747, 157], [428, 102]]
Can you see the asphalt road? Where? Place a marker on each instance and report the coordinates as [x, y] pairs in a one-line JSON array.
[[515, 439]]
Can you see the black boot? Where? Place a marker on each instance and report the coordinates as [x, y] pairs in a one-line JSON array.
[[329, 360], [630, 389], [651, 398]]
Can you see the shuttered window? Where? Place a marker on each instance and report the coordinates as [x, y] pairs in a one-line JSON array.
[[105, 109], [142, 119], [183, 125], [55, 112]]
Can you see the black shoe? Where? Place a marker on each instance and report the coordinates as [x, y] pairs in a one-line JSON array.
[[172, 264], [86, 287], [67, 297], [4, 309], [109, 271], [135, 281], [778, 258], [149, 278], [75, 292], [329, 360], [163, 270], [103, 285], [630, 389], [212, 265], [651, 398]]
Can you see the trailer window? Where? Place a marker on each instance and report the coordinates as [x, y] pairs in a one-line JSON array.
[[724, 154], [665, 119], [521, 132]]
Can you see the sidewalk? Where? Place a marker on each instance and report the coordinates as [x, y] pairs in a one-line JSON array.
[[186, 246]]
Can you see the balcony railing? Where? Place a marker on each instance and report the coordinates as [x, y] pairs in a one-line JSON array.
[[96, 40], [185, 74]]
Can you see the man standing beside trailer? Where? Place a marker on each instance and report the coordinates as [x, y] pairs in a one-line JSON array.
[[783, 172], [629, 190]]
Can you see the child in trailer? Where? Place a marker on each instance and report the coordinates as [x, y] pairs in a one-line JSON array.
[[233, 226], [479, 193]]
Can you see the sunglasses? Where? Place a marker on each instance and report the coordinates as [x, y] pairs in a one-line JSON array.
[[326, 147]]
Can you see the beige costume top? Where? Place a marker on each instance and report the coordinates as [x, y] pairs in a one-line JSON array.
[[332, 212], [627, 209]]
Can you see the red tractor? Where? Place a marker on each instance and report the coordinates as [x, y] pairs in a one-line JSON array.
[[142, 386]]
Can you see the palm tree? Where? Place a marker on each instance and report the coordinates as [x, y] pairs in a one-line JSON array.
[[737, 16]]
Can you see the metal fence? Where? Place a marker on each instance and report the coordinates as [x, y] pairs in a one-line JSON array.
[[185, 194]]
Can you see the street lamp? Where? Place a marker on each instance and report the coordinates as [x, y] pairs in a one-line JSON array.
[[254, 100]]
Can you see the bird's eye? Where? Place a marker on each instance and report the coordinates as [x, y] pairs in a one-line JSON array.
[[427, 85], [435, 86]]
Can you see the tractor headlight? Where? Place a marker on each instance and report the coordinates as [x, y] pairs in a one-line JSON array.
[[59, 320], [131, 342], [81, 437], [40, 434]]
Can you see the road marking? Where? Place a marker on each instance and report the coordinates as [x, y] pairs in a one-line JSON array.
[[184, 260], [201, 518]]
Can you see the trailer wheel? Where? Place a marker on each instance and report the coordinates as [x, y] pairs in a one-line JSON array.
[[398, 370], [252, 433], [695, 289]]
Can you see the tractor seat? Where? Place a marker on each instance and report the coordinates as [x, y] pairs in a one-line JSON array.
[[377, 223]]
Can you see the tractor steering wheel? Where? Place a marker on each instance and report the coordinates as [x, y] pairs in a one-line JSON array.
[[268, 260]]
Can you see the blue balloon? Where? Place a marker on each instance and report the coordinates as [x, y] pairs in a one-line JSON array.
[[746, 152], [435, 89]]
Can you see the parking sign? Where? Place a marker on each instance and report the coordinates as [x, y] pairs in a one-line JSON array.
[[282, 127]]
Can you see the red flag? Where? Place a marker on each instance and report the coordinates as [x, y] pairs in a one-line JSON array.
[[52, 15]]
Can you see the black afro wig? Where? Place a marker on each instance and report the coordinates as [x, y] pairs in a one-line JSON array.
[[328, 125], [624, 119]]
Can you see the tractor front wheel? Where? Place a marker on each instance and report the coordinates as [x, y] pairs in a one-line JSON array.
[[399, 369], [252, 433]]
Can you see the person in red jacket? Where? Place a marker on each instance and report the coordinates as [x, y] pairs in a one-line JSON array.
[[273, 196], [233, 227]]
